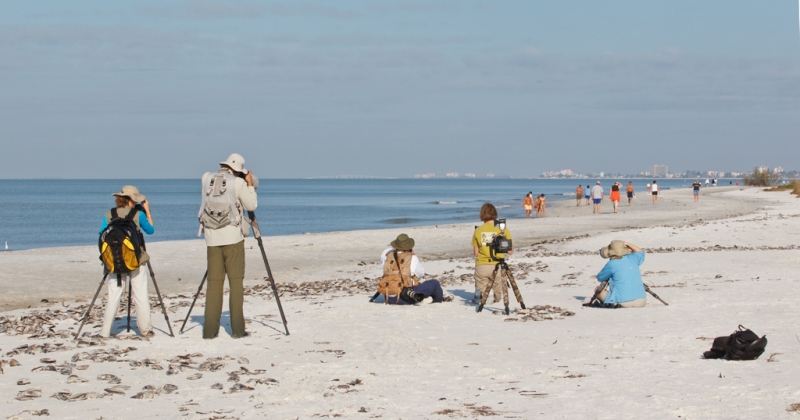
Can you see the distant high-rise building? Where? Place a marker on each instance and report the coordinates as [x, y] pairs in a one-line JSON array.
[[778, 169], [660, 170]]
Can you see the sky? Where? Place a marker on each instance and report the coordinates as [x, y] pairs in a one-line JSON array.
[[167, 89]]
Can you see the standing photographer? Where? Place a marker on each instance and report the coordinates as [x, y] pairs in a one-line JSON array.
[[484, 263], [227, 194], [125, 203]]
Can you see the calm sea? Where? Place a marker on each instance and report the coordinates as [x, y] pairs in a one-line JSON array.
[[50, 213]]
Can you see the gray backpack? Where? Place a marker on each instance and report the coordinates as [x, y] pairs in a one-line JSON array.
[[220, 207]]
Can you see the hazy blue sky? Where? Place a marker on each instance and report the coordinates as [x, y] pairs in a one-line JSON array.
[[169, 88]]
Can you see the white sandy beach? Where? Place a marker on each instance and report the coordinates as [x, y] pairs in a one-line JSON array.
[[730, 259]]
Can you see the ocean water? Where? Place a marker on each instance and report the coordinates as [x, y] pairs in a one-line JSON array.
[[50, 213]]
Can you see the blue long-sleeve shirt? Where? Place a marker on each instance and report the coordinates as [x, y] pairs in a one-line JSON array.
[[624, 278], [144, 224]]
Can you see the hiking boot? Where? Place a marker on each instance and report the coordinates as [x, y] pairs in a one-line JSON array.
[[448, 297], [246, 334]]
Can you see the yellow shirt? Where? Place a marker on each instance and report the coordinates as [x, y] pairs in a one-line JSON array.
[[484, 235]]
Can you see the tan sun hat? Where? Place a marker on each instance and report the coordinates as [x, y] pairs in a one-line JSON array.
[[615, 249], [403, 242], [236, 162], [131, 192]]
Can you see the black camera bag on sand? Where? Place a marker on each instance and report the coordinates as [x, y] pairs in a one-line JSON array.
[[743, 344]]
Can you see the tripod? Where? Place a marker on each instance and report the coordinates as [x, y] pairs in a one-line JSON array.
[[257, 234], [158, 293], [505, 274]]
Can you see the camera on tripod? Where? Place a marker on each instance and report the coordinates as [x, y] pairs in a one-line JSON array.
[[500, 244]]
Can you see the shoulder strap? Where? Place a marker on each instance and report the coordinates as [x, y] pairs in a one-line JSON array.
[[114, 214], [399, 268], [131, 213]]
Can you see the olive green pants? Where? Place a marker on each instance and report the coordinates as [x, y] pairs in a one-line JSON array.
[[226, 259]]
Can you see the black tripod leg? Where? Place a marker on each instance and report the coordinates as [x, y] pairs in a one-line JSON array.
[[129, 302], [375, 296], [199, 289], [257, 235], [488, 289], [272, 282], [89, 311], [655, 295], [160, 301], [514, 287]]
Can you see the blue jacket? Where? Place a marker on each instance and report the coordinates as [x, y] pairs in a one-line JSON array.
[[624, 278]]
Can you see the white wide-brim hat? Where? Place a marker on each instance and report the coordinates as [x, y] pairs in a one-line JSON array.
[[236, 162]]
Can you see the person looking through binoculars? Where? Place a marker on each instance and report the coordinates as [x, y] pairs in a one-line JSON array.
[[227, 194], [126, 202], [485, 258]]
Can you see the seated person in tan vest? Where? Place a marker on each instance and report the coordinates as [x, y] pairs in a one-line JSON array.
[[402, 269]]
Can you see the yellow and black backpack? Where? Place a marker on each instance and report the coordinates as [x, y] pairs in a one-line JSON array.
[[120, 244]]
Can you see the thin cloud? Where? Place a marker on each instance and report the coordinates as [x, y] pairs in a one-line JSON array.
[[207, 10], [311, 9]]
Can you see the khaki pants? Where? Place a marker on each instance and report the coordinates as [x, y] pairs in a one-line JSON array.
[[483, 275], [222, 260], [138, 279], [638, 303]]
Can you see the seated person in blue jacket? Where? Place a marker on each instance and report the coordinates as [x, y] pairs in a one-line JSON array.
[[401, 269], [621, 281]]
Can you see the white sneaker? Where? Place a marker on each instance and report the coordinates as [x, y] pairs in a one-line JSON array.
[[448, 297], [428, 299]]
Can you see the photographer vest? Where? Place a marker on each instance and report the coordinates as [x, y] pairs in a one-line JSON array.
[[397, 274], [220, 207]]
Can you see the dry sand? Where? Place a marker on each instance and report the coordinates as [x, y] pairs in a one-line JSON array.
[[730, 259]]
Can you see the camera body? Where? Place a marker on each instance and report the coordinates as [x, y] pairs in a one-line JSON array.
[[500, 244]]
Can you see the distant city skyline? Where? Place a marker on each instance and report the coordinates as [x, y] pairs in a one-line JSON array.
[[169, 88]]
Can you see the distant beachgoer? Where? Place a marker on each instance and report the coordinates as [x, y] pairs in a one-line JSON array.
[[578, 195], [537, 203], [621, 280], [615, 196], [629, 190], [696, 190], [654, 192], [597, 197], [649, 189], [542, 204], [587, 194], [707, 182], [527, 204], [737, 183]]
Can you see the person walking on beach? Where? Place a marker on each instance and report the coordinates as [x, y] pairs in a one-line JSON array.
[[615, 198], [620, 279], [578, 195], [125, 202], [707, 181], [654, 192], [542, 205], [401, 266], [696, 190], [527, 204], [597, 197], [484, 263], [629, 190], [587, 194], [227, 194]]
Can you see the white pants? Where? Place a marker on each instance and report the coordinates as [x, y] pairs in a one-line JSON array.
[[138, 279]]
